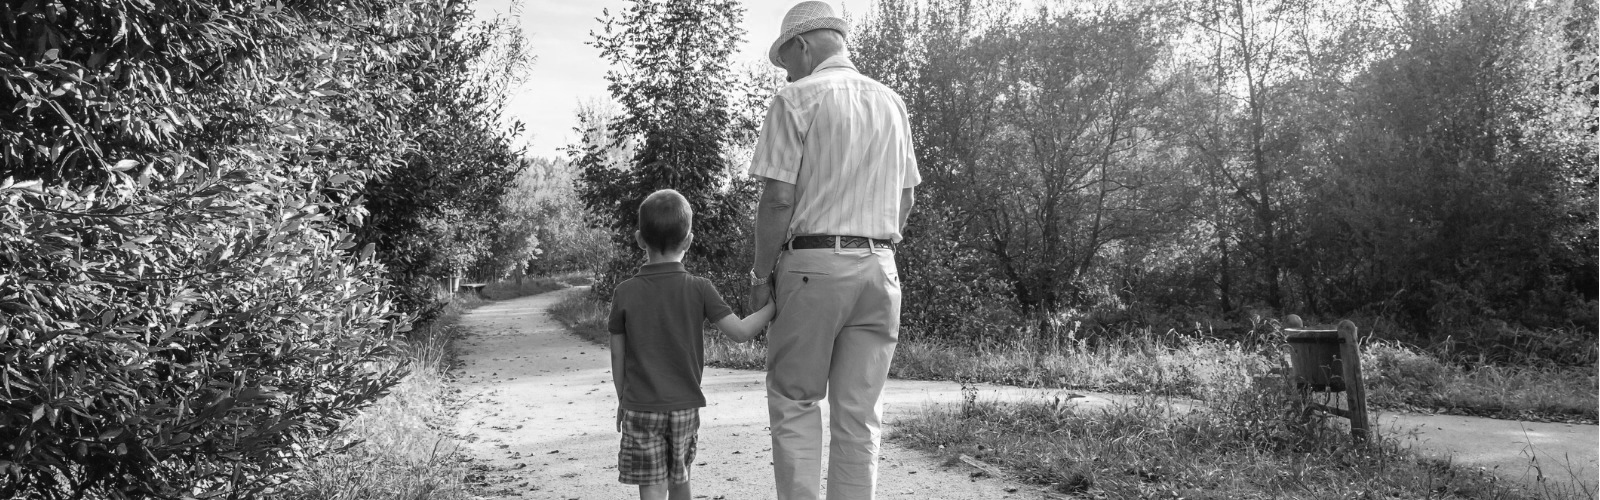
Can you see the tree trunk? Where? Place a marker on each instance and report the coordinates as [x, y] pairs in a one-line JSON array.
[[1225, 284]]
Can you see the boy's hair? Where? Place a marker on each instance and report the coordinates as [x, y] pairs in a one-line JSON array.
[[664, 220]]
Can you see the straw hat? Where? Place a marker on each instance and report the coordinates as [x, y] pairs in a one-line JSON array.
[[803, 17]]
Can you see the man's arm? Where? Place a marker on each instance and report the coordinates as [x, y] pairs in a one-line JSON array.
[[773, 215], [908, 198]]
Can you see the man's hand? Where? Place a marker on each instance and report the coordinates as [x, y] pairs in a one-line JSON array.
[[761, 294], [619, 418]]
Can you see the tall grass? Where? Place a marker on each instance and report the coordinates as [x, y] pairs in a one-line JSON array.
[[512, 288], [1248, 443], [1140, 362], [1405, 377], [401, 447]]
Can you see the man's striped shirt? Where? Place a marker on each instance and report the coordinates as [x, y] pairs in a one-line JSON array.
[[844, 141]]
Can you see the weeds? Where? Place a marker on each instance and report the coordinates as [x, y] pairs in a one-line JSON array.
[[532, 285], [1248, 444], [398, 448], [585, 316], [1402, 377], [1141, 362]]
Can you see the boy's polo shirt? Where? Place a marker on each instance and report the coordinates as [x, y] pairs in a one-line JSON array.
[[661, 312]]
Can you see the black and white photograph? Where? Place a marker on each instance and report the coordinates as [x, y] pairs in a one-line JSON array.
[[799, 249]]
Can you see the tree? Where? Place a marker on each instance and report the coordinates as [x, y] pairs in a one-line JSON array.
[[439, 211], [1255, 151], [1464, 190], [671, 79], [543, 206]]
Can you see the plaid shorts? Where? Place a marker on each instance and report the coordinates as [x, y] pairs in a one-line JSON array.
[[657, 447]]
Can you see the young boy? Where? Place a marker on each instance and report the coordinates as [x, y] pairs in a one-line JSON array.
[[657, 351]]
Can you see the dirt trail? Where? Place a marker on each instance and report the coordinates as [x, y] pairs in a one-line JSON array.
[[539, 407]]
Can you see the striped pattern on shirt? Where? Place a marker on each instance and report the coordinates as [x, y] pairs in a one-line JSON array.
[[844, 141]]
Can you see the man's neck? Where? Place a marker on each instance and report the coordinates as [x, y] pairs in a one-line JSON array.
[[822, 63]]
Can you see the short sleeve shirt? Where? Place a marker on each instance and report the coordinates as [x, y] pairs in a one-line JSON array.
[[661, 312], [844, 141]]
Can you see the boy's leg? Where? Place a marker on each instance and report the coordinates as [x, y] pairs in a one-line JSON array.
[[679, 491], [643, 458], [682, 443], [653, 492]]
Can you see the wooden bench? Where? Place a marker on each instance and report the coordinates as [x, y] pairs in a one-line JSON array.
[[476, 288]]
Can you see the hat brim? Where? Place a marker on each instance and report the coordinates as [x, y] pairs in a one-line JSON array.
[[809, 25]]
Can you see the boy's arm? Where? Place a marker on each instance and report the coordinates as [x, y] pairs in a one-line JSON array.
[[745, 329], [617, 346]]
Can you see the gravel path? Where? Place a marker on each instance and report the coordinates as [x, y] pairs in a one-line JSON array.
[[538, 409]]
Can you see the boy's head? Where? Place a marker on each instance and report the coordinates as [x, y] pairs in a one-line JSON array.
[[664, 221]]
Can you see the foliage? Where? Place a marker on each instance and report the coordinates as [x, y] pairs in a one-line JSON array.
[[184, 305], [157, 344], [1465, 187], [442, 211], [678, 116], [1042, 147], [1431, 165], [543, 205]]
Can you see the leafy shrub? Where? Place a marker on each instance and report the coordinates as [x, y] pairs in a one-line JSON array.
[[182, 302], [186, 348]]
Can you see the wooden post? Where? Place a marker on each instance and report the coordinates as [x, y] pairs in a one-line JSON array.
[[1355, 390]]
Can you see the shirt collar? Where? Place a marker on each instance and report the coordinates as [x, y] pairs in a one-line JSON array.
[[835, 61], [660, 268]]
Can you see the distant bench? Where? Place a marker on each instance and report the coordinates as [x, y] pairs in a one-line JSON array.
[[476, 288]]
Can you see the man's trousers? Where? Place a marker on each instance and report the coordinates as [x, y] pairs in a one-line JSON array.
[[838, 319]]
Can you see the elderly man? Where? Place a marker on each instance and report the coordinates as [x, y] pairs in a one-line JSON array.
[[835, 152]]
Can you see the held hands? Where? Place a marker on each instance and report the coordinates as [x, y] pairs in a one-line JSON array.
[[761, 293], [740, 330]]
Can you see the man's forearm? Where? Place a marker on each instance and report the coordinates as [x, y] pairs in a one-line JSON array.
[[908, 199], [773, 214]]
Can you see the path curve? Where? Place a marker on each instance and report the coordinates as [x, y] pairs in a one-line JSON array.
[[538, 406]]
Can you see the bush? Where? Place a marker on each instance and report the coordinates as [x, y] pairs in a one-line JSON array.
[[182, 303], [162, 354]]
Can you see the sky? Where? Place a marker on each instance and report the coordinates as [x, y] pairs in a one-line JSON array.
[[566, 72]]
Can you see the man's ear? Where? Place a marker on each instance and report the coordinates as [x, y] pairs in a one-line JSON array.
[[638, 239]]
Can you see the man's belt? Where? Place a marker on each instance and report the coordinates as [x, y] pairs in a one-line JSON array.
[[827, 241]]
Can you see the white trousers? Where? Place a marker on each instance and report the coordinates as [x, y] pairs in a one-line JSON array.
[[837, 323]]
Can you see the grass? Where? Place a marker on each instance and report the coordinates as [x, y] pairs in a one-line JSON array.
[[1241, 446], [1140, 362], [1406, 378], [399, 447], [528, 285]]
